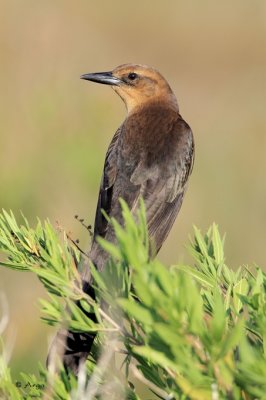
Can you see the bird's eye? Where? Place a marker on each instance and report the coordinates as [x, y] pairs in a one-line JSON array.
[[132, 76]]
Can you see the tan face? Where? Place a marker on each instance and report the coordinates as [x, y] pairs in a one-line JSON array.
[[136, 84], [139, 85]]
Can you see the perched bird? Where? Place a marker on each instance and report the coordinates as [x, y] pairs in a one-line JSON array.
[[150, 156]]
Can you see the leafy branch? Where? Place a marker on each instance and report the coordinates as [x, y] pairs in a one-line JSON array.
[[185, 332]]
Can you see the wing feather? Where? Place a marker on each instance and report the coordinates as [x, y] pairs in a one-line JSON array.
[[106, 187]]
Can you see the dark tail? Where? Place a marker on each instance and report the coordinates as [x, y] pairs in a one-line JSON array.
[[73, 348]]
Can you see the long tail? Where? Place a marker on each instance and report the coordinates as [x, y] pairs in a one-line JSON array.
[[73, 348]]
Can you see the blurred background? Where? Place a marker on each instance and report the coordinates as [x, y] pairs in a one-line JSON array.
[[55, 128]]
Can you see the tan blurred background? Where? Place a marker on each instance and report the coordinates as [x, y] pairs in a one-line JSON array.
[[55, 128]]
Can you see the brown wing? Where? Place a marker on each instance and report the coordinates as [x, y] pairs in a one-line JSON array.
[[106, 187], [163, 191]]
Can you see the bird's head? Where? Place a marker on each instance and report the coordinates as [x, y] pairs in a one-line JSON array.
[[137, 85]]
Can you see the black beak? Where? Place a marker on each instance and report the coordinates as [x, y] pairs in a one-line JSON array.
[[106, 78]]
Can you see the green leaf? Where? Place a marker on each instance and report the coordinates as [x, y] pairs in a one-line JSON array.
[[232, 338], [199, 276], [218, 325], [136, 311], [109, 248], [217, 245], [156, 357], [241, 288]]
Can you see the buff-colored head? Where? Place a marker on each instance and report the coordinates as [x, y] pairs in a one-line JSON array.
[[137, 85]]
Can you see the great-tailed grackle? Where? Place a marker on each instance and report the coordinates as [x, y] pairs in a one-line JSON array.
[[150, 156]]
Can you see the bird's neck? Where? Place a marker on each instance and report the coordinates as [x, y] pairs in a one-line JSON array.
[[153, 119], [170, 104]]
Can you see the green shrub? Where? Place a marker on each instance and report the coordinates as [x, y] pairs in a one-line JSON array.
[[184, 332]]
